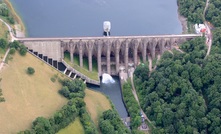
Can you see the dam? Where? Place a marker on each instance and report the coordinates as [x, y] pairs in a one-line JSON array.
[[111, 53]]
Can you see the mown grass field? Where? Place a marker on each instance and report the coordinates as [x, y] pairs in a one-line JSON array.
[[74, 128], [27, 97], [96, 104]]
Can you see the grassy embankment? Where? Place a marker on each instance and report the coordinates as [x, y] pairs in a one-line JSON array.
[[74, 128], [96, 104], [93, 75], [27, 97]]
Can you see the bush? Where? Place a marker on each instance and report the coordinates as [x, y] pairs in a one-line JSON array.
[[23, 50], [11, 20], [12, 51], [4, 9], [14, 44], [30, 70], [3, 43], [53, 79]]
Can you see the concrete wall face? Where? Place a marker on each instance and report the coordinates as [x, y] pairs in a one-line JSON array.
[[51, 49], [110, 53]]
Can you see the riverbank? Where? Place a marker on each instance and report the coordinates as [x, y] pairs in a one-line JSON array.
[[19, 25], [183, 22]]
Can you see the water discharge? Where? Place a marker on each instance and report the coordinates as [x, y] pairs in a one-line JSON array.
[[106, 78]]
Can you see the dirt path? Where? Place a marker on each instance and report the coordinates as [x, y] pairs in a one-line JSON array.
[[3, 61], [136, 97], [12, 39], [209, 36], [10, 30]]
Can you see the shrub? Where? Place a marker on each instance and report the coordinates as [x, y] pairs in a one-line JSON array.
[[14, 44], [11, 20], [23, 50], [53, 79], [3, 43], [12, 51], [30, 70]]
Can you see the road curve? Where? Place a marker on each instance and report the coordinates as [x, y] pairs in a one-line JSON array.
[[10, 31]]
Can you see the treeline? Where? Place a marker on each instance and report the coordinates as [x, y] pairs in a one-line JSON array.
[[110, 123], [213, 13], [192, 9], [4, 11], [74, 90], [15, 45], [132, 106], [182, 95], [62, 118]]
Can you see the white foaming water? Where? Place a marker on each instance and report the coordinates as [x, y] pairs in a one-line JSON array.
[[106, 78]]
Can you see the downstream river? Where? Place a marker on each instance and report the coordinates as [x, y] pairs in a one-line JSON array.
[[59, 18]]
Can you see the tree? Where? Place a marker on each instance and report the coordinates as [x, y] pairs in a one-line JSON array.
[[23, 50], [42, 126], [4, 9], [14, 44], [3, 43], [30, 70]]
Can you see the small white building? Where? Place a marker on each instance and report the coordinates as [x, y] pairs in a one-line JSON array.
[[200, 28], [107, 26]]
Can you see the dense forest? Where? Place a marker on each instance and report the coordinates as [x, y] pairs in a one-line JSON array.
[[213, 13], [192, 9], [183, 95]]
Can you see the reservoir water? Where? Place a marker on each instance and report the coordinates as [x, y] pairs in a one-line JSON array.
[[58, 18], [49, 18]]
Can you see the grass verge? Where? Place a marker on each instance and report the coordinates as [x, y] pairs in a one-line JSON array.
[[93, 75], [73, 128], [27, 97], [96, 104], [3, 31]]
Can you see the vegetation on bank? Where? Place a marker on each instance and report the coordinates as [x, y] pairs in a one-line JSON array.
[[110, 123], [15, 16], [96, 104], [132, 106], [6, 13], [192, 10]]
